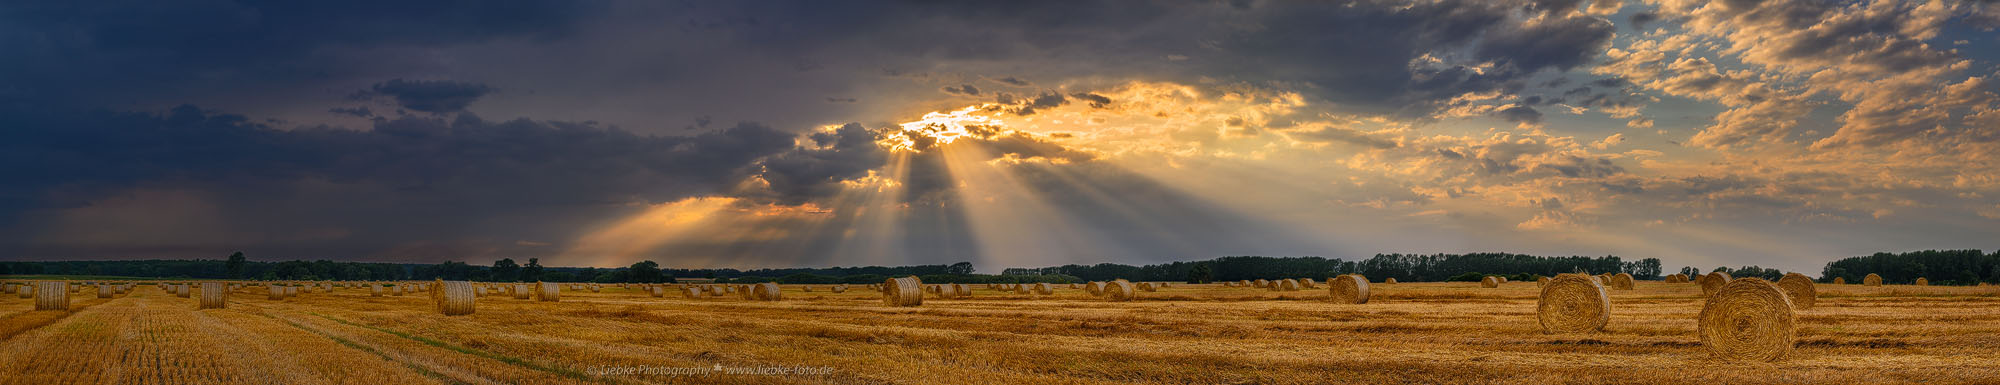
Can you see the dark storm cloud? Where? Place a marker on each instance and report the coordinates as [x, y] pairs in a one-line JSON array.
[[808, 174], [1010, 80], [436, 96], [1357, 54], [1096, 101], [359, 112], [1520, 114], [1559, 44], [1640, 19], [430, 177], [96, 52], [963, 89], [492, 166], [1361, 53], [1345, 135]]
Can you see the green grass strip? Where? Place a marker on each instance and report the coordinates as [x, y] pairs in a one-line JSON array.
[[351, 344], [465, 350]]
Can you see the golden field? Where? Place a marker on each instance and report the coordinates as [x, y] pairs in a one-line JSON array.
[[1203, 334]]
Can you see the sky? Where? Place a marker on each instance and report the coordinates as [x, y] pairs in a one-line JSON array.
[[1780, 133]]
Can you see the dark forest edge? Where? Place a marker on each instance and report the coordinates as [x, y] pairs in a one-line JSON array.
[[1941, 267]]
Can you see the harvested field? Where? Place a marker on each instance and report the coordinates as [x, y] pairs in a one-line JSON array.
[[1408, 332]]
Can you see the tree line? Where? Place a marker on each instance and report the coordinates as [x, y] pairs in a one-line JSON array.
[[1402, 267], [1947, 267], [1941, 267]]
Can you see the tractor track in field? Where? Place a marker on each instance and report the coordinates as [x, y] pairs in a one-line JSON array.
[[445, 372], [453, 377], [22, 322]]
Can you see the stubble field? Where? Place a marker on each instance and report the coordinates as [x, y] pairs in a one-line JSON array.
[[1409, 332]]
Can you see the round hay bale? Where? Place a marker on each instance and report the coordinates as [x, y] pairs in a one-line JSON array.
[[807, 288], [1713, 281], [1840, 280], [1503, 279], [717, 290], [1095, 288], [291, 291], [1747, 319], [1044, 289], [374, 290], [277, 293], [1489, 282], [525, 291], [691, 292], [1799, 289], [657, 291], [548, 292], [768, 291], [26, 291], [1921, 281], [182, 291], [838, 289], [104, 291], [1120, 290], [1389, 281], [905, 291], [1286, 285], [1348, 288], [1151, 287], [1263, 284], [1622, 281], [1573, 303], [1307, 283], [454, 297], [964, 290], [1871, 280], [213, 295], [52, 296]]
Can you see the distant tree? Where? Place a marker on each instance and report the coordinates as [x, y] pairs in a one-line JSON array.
[[620, 275], [558, 276], [961, 268], [644, 272], [235, 265], [1201, 273], [505, 270], [804, 278], [1690, 271], [533, 271]]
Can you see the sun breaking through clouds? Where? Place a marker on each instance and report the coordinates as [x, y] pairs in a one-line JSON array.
[[1780, 133]]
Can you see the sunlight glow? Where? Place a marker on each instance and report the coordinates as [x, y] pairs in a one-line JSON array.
[[940, 128]]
